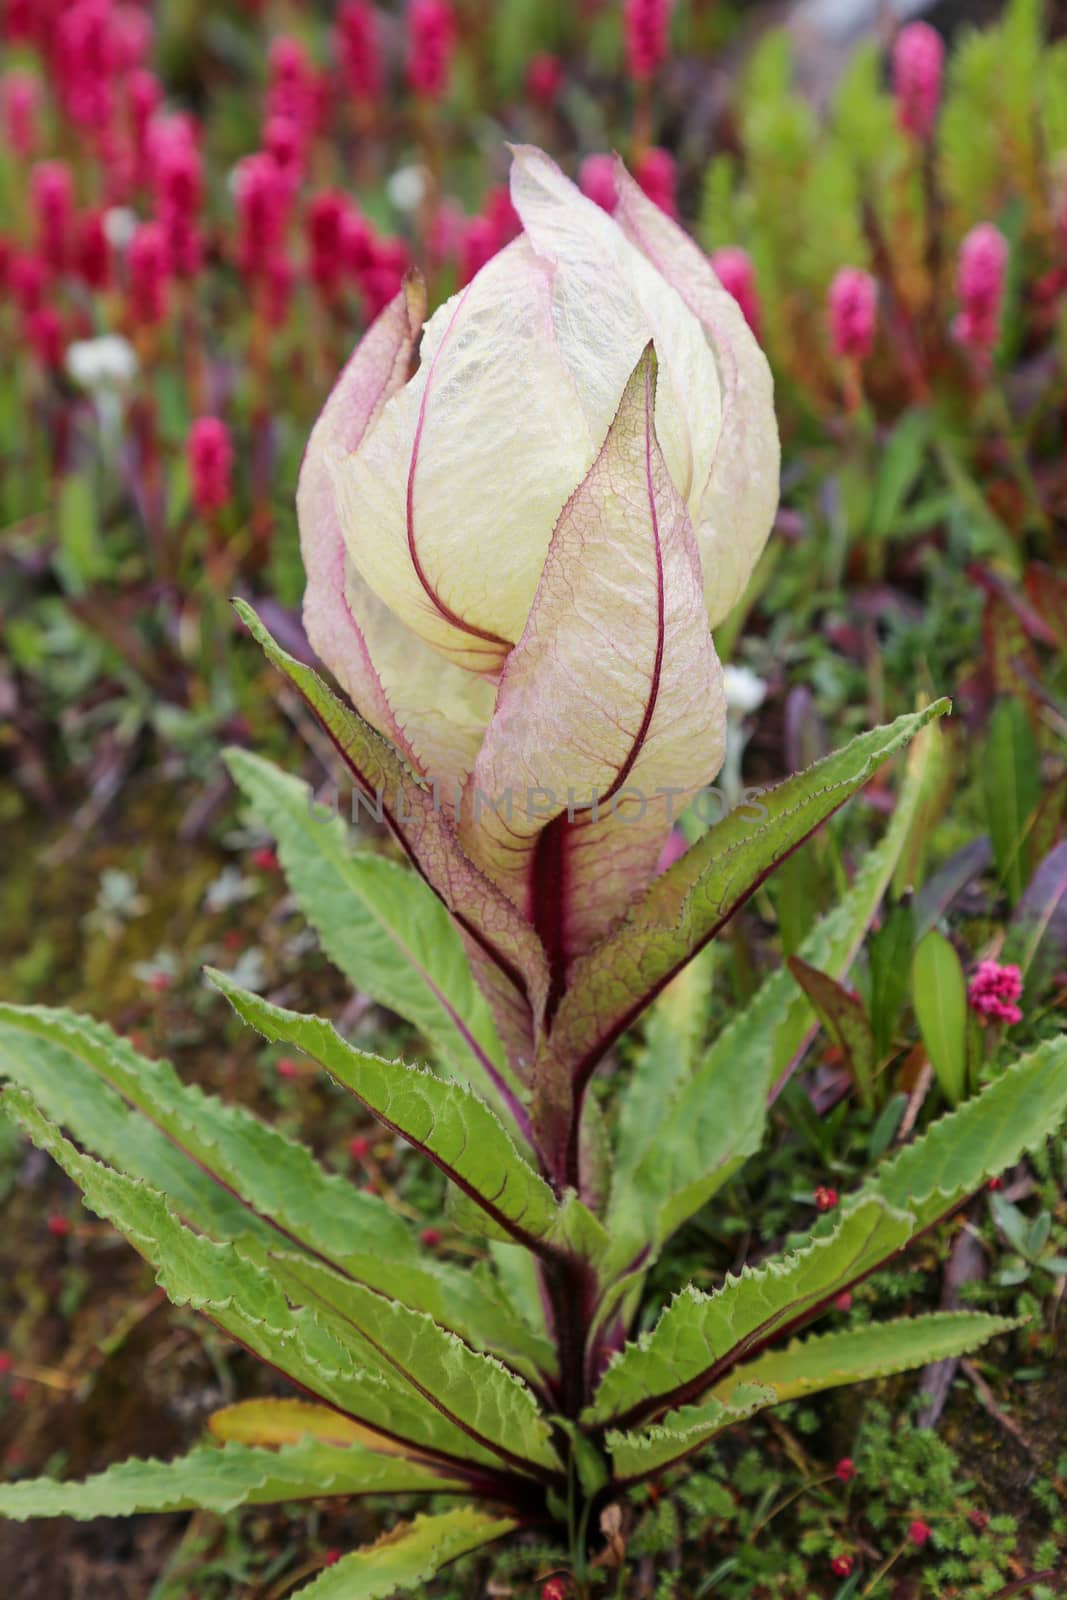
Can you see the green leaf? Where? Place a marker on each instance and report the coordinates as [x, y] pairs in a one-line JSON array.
[[939, 994], [446, 1121], [81, 557], [700, 1337], [1011, 779], [687, 905], [844, 1016], [218, 1478], [507, 957], [639, 1454], [482, 1396], [244, 1300], [408, 1556], [854, 1355], [379, 922], [900, 464], [222, 1169], [890, 956]]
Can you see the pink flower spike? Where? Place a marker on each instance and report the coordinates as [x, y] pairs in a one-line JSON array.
[[209, 453], [431, 42], [596, 179], [980, 273], [734, 270], [655, 172], [92, 252], [994, 990], [853, 308], [325, 226], [359, 49], [19, 101], [647, 26], [148, 265], [544, 79], [52, 196], [918, 60]]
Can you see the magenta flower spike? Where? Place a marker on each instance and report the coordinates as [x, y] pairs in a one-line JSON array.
[[918, 62]]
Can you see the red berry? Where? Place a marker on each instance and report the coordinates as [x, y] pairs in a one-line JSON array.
[[430, 1237], [825, 1198], [918, 1533], [359, 1148], [995, 1184], [554, 1589], [160, 982], [58, 1225], [265, 859], [845, 1469], [288, 1068], [841, 1566], [331, 1558], [978, 1520], [843, 1301]]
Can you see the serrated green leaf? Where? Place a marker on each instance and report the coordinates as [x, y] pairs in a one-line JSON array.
[[407, 1557], [474, 1390], [963, 1150], [218, 1478], [380, 923], [244, 1300], [458, 1132], [686, 905], [700, 1335], [844, 1017], [939, 994], [639, 1454], [854, 1355], [221, 1168]]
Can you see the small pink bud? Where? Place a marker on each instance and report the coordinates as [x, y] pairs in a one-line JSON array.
[[359, 1148], [845, 1470], [918, 59], [19, 102], [647, 28], [656, 174], [52, 196], [843, 1301], [266, 859], [825, 1198], [159, 982], [993, 991], [148, 266], [554, 1589], [431, 41], [285, 143], [734, 270], [292, 90], [210, 457], [980, 272], [544, 79], [596, 179], [918, 1533], [359, 49], [841, 1566], [331, 1558], [853, 306], [262, 197], [430, 1237], [59, 1225], [288, 1068], [995, 1184]]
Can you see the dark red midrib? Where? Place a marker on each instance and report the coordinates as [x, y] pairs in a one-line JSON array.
[[444, 611]]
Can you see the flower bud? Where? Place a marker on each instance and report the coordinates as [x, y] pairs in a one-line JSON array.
[[210, 457], [853, 307], [544, 79], [918, 59], [431, 41], [148, 267], [647, 26], [980, 273], [359, 49], [515, 552]]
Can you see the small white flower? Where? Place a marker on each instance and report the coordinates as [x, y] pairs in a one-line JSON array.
[[745, 690], [120, 225], [406, 188], [101, 365]]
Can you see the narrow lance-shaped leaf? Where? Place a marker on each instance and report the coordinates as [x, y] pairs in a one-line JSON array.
[[218, 1280], [222, 1169], [844, 1016], [690, 902], [939, 993], [852, 1356], [700, 1339], [454, 1129], [478, 1393], [716, 1120], [219, 1477], [509, 960], [407, 1557], [591, 804], [382, 925]]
